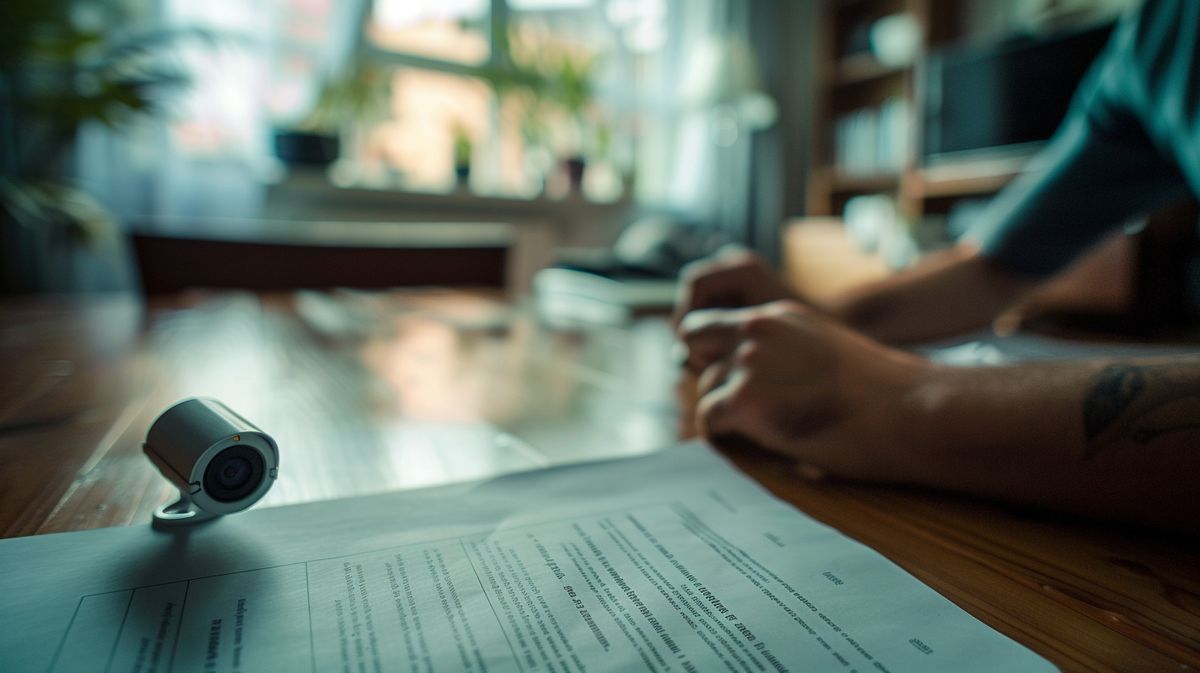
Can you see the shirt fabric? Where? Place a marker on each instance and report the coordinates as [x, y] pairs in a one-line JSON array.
[[1130, 144]]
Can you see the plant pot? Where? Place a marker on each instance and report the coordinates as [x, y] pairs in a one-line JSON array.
[[301, 148], [44, 257], [462, 175], [575, 167]]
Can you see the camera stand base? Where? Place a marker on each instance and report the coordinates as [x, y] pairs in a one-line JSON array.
[[182, 512]]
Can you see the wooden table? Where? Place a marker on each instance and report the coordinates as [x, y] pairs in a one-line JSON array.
[[372, 392]]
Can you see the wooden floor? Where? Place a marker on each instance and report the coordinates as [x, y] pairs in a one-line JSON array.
[[368, 392]]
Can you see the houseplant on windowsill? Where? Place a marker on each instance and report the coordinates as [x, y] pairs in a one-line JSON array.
[[64, 65], [550, 84], [352, 99], [570, 89], [462, 156]]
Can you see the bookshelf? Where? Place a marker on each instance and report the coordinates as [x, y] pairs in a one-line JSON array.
[[862, 101], [865, 140], [851, 81]]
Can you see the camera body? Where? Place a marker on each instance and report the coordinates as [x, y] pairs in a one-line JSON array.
[[220, 462]]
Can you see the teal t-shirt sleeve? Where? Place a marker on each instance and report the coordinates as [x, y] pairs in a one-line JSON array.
[[1103, 167]]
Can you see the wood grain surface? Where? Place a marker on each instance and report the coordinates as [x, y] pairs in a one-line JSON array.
[[368, 392]]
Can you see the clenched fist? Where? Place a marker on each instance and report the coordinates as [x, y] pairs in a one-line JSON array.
[[730, 279], [797, 383]]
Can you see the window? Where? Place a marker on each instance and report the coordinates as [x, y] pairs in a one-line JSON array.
[[454, 31], [430, 109], [487, 97], [501, 97]]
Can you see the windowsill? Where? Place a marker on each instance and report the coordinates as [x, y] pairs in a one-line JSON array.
[[537, 226], [304, 190], [321, 233]]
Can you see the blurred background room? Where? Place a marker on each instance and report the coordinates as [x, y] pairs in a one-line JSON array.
[[508, 131], [431, 240], [428, 242], [155, 146]]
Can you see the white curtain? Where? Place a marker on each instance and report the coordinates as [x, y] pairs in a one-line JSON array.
[[724, 172], [208, 153]]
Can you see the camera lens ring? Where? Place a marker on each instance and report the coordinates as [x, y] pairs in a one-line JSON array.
[[234, 473]]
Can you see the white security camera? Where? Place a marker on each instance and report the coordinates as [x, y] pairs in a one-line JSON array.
[[220, 461]]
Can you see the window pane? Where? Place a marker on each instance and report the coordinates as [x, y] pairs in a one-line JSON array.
[[448, 30], [617, 49], [430, 110], [306, 46]]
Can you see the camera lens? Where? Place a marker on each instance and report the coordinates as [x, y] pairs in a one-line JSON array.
[[233, 473]]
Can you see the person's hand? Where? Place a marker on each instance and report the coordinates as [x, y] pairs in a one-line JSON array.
[[729, 279], [791, 381]]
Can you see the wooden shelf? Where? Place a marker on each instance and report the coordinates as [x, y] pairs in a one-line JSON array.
[[879, 182], [850, 83], [963, 186], [983, 175], [861, 68]]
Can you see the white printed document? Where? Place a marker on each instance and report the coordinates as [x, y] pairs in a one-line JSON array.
[[669, 562]]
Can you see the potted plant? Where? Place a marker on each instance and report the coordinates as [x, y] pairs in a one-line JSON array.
[[571, 89], [58, 72], [462, 155], [549, 80], [358, 95]]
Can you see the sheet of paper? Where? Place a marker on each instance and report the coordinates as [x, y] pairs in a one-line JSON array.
[[669, 562]]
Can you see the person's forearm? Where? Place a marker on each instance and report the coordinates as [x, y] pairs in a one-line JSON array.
[[1118, 440], [948, 293]]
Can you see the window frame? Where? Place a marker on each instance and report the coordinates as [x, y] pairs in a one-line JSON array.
[[498, 14], [497, 20]]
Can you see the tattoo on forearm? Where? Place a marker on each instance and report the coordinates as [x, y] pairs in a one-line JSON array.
[[1140, 404], [1114, 391]]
